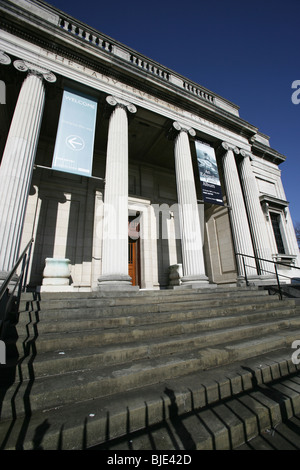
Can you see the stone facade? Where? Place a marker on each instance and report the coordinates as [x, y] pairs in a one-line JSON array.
[[144, 168]]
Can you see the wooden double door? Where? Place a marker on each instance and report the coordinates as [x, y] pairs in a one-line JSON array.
[[134, 250]]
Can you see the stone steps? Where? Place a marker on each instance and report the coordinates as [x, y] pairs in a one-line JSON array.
[[154, 364], [186, 338], [185, 332], [120, 346], [156, 296], [149, 313], [134, 319], [138, 304], [224, 426], [161, 417]]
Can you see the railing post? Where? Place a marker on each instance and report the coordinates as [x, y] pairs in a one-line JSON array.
[[278, 282], [6, 297], [245, 272], [20, 287], [27, 265], [275, 263]]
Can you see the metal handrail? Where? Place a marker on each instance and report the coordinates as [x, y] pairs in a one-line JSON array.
[[275, 263], [7, 296]]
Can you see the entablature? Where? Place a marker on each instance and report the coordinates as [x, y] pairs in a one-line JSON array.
[[46, 26], [267, 153], [50, 28]]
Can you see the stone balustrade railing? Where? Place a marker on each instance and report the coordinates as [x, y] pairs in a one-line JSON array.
[[88, 36], [198, 92], [107, 45], [149, 67]]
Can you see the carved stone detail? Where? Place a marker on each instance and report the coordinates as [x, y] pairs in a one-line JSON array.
[[4, 58], [228, 146], [115, 101], [246, 154], [182, 128], [25, 66]]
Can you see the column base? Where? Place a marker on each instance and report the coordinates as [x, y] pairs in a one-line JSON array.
[[257, 280], [116, 282], [194, 282], [55, 288], [267, 280]]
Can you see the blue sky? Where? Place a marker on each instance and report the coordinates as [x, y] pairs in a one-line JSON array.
[[247, 52]]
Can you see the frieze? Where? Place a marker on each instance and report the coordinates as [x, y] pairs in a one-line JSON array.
[[102, 72], [119, 86]]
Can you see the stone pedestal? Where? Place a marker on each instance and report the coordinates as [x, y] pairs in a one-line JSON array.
[[56, 275], [175, 275]]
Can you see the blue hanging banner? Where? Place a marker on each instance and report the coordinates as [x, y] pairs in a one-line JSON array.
[[209, 174], [74, 146]]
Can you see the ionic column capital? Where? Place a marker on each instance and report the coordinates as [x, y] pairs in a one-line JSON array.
[[183, 128], [115, 101], [227, 146], [4, 58], [25, 66], [246, 154]]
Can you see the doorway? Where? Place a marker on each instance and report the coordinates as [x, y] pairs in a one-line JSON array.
[[134, 250]]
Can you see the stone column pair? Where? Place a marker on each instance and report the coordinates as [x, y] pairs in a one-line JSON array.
[[18, 159], [247, 221], [115, 233]]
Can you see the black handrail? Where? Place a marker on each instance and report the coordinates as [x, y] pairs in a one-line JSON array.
[[6, 295], [275, 263]]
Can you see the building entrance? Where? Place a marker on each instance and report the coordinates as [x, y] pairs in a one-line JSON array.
[[134, 250]]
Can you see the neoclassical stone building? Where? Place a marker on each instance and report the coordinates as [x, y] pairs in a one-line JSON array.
[[125, 172]]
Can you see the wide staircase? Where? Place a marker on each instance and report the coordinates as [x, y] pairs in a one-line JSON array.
[[164, 370]]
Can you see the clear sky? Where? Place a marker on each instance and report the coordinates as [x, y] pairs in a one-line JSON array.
[[247, 52]]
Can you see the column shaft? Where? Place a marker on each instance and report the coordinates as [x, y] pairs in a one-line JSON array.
[[16, 167], [191, 239], [115, 222], [238, 215], [255, 214]]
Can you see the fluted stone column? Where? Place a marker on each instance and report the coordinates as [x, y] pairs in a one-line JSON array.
[[115, 222], [256, 218], [238, 216], [18, 159], [191, 239]]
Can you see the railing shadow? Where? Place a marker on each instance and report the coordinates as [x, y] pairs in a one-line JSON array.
[[172, 433], [14, 372]]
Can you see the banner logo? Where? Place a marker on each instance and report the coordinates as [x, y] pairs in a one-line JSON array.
[[209, 174], [75, 142], [74, 145]]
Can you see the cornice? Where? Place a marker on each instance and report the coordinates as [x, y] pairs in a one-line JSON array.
[[55, 39], [267, 153]]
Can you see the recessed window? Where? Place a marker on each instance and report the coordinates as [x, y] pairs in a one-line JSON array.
[[275, 219]]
